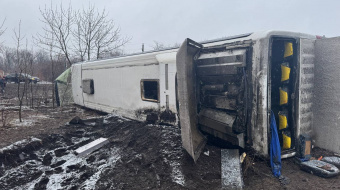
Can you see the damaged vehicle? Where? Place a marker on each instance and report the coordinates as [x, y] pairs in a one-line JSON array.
[[225, 88]]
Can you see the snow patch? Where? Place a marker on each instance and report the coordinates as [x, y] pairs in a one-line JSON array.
[[116, 115], [55, 180], [17, 107], [27, 122], [176, 174], [20, 144], [76, 140], [91, 182], [24, 123], [173, 155]]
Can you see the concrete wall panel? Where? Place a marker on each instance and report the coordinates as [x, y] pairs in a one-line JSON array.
[[326, 106]]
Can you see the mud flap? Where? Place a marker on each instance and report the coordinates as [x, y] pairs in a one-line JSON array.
[[192, 140]]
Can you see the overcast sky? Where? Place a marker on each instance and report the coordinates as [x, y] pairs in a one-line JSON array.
[[172, 21]]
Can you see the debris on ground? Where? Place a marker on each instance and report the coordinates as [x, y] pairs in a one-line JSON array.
[[206, 153], [231, 169], [76, 120], [92, 146], [319, 168], [284, 180], [332, 160]]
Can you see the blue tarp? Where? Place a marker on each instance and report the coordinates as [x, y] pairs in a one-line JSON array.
[[275, 149]]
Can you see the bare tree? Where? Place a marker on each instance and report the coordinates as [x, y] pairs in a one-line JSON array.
[[158, 46], [27, 66], [9, 58], [2, 29], [21, 66], [88, 23], [161, 46], [52, 76], [114, 53], [96, 34], [31, 72], [109, 39], [80, 44], [58, 22], [48, 40]]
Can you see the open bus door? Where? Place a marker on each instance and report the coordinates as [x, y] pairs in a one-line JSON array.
[[212, 91], [192, 139]]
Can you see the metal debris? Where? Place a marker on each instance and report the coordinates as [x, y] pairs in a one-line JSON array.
[[231, 169]]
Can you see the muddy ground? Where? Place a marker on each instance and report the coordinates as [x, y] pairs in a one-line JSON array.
[[138, 155]]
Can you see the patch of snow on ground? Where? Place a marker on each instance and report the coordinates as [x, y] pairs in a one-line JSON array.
[[30, 186], [40, 116], [24, 123], [91, 182], [176, 173], [76, 140], [20, 171], [90, 124], [27, 122], [106, 121], [56, 179], [17, 107], [20, 144], [116, 115]]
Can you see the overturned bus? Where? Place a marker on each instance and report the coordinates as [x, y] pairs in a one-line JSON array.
[[224, 88]]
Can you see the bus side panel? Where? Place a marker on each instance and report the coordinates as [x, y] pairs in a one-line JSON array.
[[119, 89]]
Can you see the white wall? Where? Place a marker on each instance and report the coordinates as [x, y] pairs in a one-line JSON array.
[[326, 105]]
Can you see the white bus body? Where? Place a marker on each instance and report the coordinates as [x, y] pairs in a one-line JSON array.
[[143, 86]]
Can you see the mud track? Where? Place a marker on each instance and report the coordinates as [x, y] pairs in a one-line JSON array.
[[139, 156]]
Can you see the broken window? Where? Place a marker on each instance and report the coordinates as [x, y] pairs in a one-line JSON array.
[[150, 90]]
